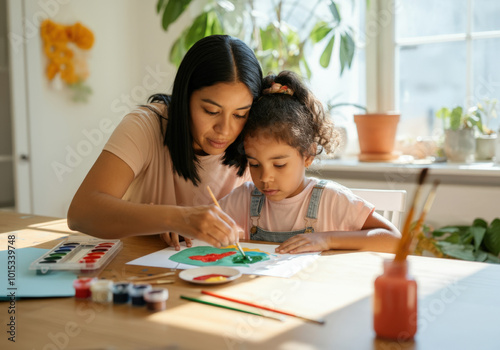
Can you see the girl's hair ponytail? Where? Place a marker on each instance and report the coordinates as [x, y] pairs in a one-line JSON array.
[[291, 113]]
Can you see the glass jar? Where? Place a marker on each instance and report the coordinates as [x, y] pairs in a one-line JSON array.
[[395, 302]]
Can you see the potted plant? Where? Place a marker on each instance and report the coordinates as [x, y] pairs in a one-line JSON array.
[[486, 138], [377, 136], [459, 133], [376, 133]]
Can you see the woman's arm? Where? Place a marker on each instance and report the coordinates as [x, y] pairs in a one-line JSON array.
[[377, 234], [97, 209]]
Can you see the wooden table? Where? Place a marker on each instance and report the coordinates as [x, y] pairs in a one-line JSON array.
[[459, 305]]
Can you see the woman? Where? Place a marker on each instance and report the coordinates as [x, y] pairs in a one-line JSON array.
[[167, 152]]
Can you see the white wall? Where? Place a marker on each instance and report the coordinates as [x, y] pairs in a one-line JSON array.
[[127, 63]]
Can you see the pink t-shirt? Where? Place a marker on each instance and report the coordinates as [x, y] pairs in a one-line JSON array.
[[339, 209], [138, 141]]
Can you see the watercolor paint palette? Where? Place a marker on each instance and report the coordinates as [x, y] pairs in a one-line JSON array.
[[82, 255]]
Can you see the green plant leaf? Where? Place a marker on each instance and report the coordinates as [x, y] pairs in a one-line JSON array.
[[216, 27], [172, 11], [334, 11], [346, 53], [305, 67], [492, 237], [493, 259], [459, 251], [327, 53], [320, 31], [478, 233], [454, 238], [481, 255], [159, 5], [198, 30], [456, 118], [448, 229], [177, 51], [467, 237], [480, 222]]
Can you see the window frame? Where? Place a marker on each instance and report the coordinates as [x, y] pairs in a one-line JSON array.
[[382, 67]]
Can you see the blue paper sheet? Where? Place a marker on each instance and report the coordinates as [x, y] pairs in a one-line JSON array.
[[25, 283]]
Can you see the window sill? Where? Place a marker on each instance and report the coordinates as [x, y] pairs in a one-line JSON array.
[[485, 173]]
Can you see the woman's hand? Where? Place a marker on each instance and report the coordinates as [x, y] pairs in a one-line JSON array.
[[305, 243], [207, 223]]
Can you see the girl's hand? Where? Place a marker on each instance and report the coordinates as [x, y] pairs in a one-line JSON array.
[[172, 239], [304, 243], [207, 223]]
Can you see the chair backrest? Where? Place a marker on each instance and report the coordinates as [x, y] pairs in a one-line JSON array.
[[388, 203]]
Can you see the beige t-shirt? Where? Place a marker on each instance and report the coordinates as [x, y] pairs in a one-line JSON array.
[[138, 141], [339, 209]]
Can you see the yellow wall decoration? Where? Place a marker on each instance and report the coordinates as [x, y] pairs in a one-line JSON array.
[[62, 45]]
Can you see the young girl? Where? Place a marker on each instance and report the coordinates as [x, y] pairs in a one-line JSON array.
[[287, 128]]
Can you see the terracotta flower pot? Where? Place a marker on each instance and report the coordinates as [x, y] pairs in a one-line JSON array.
[[377, 135]]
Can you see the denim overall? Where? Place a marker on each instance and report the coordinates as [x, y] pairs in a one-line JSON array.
[[257, 201]]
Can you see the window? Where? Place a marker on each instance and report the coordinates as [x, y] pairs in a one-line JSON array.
[[446, 54]]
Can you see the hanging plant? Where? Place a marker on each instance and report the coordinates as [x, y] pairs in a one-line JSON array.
[[63, 46]]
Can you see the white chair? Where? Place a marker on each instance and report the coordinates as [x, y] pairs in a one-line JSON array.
[[388, 203]]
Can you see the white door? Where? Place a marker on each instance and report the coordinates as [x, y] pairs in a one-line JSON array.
[[16, 158]]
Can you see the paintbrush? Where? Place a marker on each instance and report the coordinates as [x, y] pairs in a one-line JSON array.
[[229, 307], [217, 204], [427, 206], [406, 234], [151, 277], [262, 307]]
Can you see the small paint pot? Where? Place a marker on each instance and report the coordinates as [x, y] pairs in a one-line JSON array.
[[137, 292], [121, 292], [82, 287], [101, 291], [156, 299]]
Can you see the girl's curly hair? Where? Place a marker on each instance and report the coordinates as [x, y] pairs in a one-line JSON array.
[[298, 120]]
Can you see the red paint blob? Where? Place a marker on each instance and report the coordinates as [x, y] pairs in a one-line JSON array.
[[211, 257], [206, 277]]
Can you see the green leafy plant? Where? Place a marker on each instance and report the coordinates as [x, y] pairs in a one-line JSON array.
[[488, 110], [276, 42], [457, 118], [477, 242]]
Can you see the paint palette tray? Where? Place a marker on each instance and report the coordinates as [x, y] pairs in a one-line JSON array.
[[82, 255]]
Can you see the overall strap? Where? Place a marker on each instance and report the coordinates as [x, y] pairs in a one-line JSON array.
[[312, 210], [256, 203]]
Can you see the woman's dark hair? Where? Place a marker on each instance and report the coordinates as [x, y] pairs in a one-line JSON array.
[[298, 120], [213, 59]]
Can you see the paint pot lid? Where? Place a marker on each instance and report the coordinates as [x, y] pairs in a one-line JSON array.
[[99, 285], [122, 287], [140, 289], [83, 282], [156, 295]]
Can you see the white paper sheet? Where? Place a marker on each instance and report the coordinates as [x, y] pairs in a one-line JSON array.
[[280, 265]]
